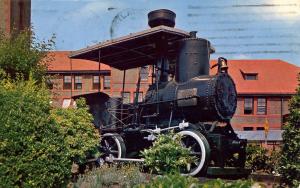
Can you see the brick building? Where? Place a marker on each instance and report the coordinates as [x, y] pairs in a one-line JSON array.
[[264, 86], [72, 77], [14, 14]]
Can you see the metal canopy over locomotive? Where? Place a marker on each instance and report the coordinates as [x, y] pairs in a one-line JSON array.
[[186, 100]]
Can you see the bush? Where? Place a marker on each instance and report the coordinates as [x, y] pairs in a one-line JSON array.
[[167, 154], [257, 158], [177, 180], [32, 149], [290, 155], [107, 176], [79, 132]]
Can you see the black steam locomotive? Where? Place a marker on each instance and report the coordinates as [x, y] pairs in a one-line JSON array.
[[185, 99]]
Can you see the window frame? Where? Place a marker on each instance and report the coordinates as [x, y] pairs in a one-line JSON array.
[[105, 86], [67, 85], [140, 95], [245, 106], [78, 82], [260, 128], [248, 128], [144, 75], [66, 103], [249, 76], [259, 106], [96, 85], [129, 97]]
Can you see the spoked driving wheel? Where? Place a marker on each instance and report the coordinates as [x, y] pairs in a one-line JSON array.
[[112, 145], [199, 148]]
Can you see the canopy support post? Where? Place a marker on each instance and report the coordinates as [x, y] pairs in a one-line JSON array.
[[122, 94]]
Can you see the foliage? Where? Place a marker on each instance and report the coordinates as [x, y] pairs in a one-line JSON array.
[[107, 176], [80, 135], [167, 154], [22, 54], [177, 180], [273, 161], [290, 155], [257, 158], [32, 149]]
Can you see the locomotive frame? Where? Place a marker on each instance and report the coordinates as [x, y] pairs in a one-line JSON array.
[[170, 105]]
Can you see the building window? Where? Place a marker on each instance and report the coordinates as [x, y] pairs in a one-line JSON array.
[[261, 105], [126, 97], [140, 96], [248, 106], [67, 82], [106, 82], [66, 103], [78, 82], [144, 73], [252, 76], [96, 82], [248, 128], [260, 128], [50, 83]]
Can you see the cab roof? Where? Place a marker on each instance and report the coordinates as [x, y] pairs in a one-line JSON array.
[[133, 50]]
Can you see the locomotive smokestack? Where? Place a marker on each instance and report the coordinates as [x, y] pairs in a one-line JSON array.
[[193, 58], [161, 17], [193, 34]]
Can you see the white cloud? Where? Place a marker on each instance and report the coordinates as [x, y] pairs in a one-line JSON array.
[[288, 11]]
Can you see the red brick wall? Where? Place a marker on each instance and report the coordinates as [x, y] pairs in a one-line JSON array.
[[131, 82], [273, 115], [59, 93], [14, 14]]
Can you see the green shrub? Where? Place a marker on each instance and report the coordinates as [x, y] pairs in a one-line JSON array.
[[177, 180], [80, 135], [273, 161], [290, 155], [257, 158], [107, 176], [32, 149], [167, 154]]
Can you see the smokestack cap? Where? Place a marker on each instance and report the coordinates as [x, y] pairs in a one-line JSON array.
[[161, 17]]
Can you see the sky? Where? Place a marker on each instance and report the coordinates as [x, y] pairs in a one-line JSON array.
[[238, 29]]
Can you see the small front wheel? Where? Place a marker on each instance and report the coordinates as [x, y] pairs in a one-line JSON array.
[[200, 149], [112, 145]]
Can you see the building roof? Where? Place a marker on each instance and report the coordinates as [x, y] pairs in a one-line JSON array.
[[60, 62], [274, 76], [273, 135]]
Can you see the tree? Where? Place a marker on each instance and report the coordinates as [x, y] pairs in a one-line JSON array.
[[22, 54], [290, 156]]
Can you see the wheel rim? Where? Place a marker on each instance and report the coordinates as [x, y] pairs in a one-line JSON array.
[[111, 146], [198, 147]]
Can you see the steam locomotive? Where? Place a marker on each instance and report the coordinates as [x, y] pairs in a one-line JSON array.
[[187, 100]]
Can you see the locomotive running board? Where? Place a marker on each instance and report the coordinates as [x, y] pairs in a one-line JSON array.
[[231, 172], [112, 159]]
